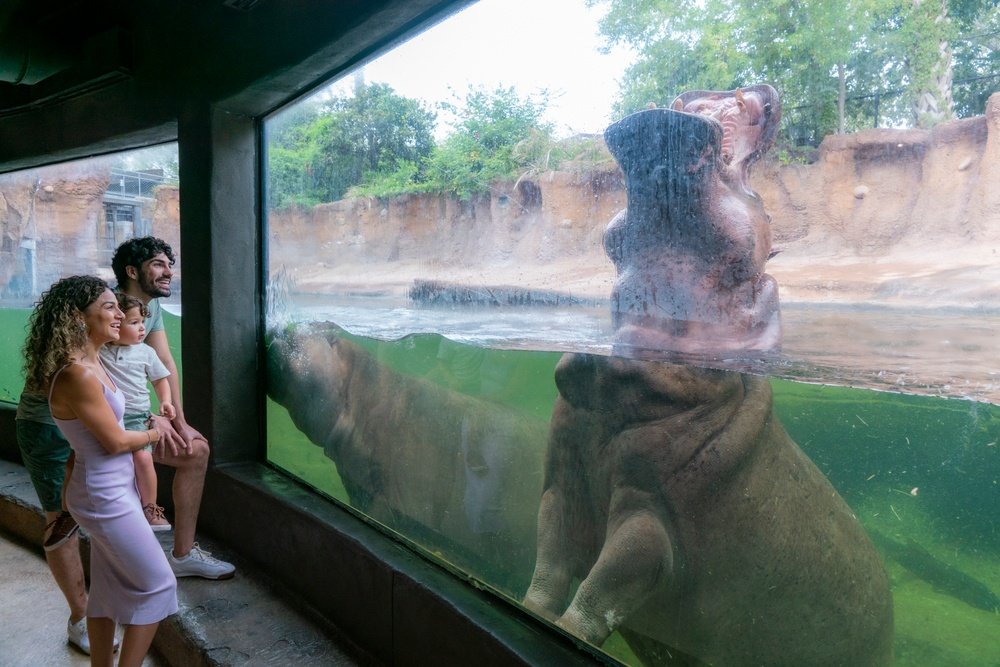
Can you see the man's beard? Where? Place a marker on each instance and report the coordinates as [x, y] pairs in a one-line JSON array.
[[151, 289]]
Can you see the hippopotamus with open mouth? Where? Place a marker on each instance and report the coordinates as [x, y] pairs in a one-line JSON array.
[[691, 246], [693, 523]]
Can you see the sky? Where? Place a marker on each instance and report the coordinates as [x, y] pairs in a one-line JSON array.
[[528, 44]]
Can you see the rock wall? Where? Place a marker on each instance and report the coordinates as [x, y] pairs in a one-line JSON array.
[[52, 224], [896, 216], [48, 224], [542, 229]]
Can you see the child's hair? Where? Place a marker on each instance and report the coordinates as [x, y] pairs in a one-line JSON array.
[[126, 302]]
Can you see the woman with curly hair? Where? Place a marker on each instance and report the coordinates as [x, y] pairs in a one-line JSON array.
[[131, 581]]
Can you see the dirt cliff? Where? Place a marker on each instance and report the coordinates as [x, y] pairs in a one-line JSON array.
[[53, 223], [898, 217], [909, 217], [50, 224]]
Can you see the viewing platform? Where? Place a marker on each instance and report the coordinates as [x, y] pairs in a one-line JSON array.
[[241, 621]]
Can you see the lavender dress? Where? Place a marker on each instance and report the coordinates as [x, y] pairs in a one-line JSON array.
[[130, 579]]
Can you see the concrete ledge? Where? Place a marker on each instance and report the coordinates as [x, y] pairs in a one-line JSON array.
[[402, 608], [336, 590]]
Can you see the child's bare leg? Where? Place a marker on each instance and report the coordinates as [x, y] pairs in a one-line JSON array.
[[145, 476], [145, 481]]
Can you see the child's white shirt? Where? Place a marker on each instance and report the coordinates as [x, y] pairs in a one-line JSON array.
[[131, 366]]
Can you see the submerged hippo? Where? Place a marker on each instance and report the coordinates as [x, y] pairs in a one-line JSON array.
[[690, 248], [697, 527], [442, 467]]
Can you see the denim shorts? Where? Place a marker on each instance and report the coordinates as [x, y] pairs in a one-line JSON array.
[[45, 452], [136, 421]]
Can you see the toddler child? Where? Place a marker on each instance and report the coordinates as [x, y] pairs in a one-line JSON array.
[[130, 364]]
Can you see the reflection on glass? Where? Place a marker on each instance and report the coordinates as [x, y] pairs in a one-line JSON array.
[[919, 471], [434, 457], [67, 219], [422, 296]]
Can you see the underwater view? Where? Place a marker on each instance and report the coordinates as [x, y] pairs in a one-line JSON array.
[[922, 475]]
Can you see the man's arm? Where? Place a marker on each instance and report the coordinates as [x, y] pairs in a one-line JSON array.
[[158, 341]]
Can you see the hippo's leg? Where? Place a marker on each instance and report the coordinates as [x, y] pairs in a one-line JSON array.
[[553, 574], [635, 561]]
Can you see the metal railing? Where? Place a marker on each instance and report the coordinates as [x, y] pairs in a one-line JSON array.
[[133, 183]]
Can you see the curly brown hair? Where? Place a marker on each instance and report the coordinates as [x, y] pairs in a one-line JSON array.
[[56, 328], [134, 252], [126, 302]]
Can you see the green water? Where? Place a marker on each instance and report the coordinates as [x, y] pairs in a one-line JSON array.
[[13, 329], [12, 333], [919, 471]]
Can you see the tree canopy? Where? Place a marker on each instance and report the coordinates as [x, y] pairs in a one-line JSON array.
[[320, 150], [838, 65], [378, 143], [489, 127], [896, 58]]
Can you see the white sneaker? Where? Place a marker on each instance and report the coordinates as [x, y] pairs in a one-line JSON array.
[[200, 563], [77, 634]]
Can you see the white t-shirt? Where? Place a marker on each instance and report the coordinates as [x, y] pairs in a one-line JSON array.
[[130, 366]]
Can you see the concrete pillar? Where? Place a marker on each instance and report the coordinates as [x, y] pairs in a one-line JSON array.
[[221, 287]]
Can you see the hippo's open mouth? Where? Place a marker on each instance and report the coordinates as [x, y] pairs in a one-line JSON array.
[[690, 248], [749, 118]]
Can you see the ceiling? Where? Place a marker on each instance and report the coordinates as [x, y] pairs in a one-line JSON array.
[[51, 49], [83, 77]]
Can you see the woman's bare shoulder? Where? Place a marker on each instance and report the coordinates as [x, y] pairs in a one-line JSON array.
[[75, 372], [72, 382]]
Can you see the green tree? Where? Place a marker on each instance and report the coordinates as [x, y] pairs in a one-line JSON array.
[[976, 49], [321, 151], [814, 52], [289, 156], [818, 54], [925, 35], [489, 140]]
